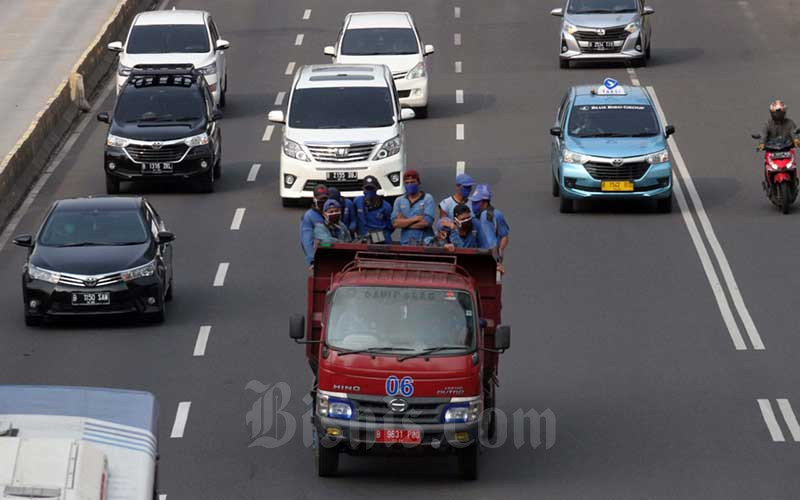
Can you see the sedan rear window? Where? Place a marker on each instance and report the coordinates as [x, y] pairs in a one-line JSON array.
[[73, 228], [379, 41], [168, 38], [343, 107], [617, 120]]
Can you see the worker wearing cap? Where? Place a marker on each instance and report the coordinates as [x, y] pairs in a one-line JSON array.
[[312, 217], [413, 212], [492, 222], [372, 212], [464, 185], [348, 209], [466, 233], [441, 238], [332, 229]]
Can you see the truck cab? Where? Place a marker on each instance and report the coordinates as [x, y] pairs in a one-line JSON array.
[[403, 344]]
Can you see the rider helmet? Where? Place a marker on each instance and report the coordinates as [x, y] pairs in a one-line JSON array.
[[777, 110]]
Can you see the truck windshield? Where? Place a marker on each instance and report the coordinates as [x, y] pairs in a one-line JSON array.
[[613, 120], [401, 320]]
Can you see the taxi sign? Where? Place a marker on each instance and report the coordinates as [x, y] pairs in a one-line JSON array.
[[610, 87]]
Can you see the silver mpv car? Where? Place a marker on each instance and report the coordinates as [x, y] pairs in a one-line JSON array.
[[604, 30]]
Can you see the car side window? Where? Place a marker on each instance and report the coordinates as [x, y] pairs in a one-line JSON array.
[[150, 221], [214, 32], [396, 97], [562, 108]]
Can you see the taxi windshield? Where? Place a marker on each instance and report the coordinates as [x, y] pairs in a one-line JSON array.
[[601, 6], [401, 320], [613, 121]]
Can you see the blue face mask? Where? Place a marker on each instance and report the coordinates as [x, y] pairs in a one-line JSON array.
[[412, 188], [370, 195], [464, 191], [476, 207]]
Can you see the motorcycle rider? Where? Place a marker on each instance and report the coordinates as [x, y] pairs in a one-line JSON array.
[[778, 125]]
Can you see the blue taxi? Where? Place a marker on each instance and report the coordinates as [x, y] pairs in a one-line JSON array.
[[608, 142]]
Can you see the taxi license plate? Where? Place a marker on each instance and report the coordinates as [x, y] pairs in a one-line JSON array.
[[91, 299], [616, 186], [404, 436], [342, 176], [157, 168]]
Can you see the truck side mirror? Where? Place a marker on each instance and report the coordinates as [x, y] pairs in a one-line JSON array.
[[297, 327], [669, 130], [502, 338]]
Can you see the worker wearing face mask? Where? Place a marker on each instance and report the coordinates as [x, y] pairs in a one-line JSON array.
[[414, 212], [372, 212], [332, 230], [464, 185], [466, 234]]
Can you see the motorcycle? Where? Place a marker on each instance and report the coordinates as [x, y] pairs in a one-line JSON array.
[[780, 176]]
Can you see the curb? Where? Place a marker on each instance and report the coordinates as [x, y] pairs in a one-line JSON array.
[[26, 160]]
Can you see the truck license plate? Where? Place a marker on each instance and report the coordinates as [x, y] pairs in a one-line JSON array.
[[404, 436], [91, 299], [616, 186], [157, 168]]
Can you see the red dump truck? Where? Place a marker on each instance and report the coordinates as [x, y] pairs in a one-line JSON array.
[[404, 344]]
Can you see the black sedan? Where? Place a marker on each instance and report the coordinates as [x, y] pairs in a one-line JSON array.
[[98, 256]]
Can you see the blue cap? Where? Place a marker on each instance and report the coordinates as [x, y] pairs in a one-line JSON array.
[[482, 192], [334, 193], [464, 180], [444, 224], [331, 203]]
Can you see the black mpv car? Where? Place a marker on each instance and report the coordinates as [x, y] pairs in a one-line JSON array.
[[98, 256], [164, 127]]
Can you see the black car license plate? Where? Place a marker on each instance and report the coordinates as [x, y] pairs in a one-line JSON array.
[[91, 298], [342, 176], [157, 168], [603, 45]]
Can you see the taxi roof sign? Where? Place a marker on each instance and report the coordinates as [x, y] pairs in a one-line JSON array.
[[610, 87]]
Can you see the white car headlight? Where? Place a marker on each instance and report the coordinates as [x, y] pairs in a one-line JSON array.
[[660, 157], [196, 140], [417, 71], [389, 148], [211, 69], [123, 70], [144, 271], [116, 142], [334, 405], [632, 27], [572, 157], [570, 28], [294, 150], [37, 273], [463, 410]]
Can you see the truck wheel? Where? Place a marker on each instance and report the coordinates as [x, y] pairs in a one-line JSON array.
[[567, 205], [327, 459], [468, 462], [112, 185]]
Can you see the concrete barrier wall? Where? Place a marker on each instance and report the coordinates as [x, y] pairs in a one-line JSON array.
[[23, 164]]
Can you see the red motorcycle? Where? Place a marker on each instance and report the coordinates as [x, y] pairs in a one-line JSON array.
[[780, 176]]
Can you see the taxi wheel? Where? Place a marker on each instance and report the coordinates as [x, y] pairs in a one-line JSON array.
[[665, 205], [112, 185], [563, 63], [567, 205], [555, 189]]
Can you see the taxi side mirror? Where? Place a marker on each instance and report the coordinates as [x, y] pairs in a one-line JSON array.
[[297, 327], [669, 130], [556, 131], [502, 338], [648, 10]]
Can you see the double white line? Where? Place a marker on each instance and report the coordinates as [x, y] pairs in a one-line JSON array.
[[772, 422]]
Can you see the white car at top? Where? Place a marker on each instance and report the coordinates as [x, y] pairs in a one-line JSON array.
[[170, 38], [389, 38]]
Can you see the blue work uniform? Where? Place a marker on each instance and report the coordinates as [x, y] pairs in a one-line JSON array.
[[473, 239], [349, 218], [378, 218], [331, 233], [449, 204], [310, 218], [425, 206], [494, 226]]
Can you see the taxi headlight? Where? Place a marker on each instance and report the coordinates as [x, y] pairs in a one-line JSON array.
[[572, 157], [123, 70], [211, 69], [116, 142], [389, 148], [660, 157], [37, 273], [334, 405], [144, 271], [570, 28], [196, 140], [463, 410], [417, 71], [632, 27], [294, 150]]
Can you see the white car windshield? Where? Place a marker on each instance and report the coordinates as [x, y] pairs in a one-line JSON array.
[[168, 39], [601, 6], [341, 107], [379, 41]]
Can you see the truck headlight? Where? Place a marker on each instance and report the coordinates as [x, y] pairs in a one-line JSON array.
[[660, 157], [294, 150], [211, 69], [417, 71], [144, 271], [632, 27], [196, 140], [334, 405], [389, 148], [123, 70], [570, 28], [116, 142], [37, 273], [463, 410], [572, 157]]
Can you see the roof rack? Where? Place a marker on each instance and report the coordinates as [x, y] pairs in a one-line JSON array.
[[164, 69], [148, 75], [417, 262]]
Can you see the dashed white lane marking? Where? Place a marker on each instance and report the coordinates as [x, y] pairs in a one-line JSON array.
[[299, 39], [290, 68], [458, 66], [162, 497], [457, 38], [457, 12], [790, 417], [180, 419], [202, 340], [459, 96], [237, 219], [251, 176], [268, 133], [460, 167], [459, 131], [716, 247], [634, 78], [746, 10], [307, 15], [222, 270], [279, 98], [772, 423]]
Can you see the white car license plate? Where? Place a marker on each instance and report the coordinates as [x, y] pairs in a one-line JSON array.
[[342, 176], [91, 298], [157, 168]]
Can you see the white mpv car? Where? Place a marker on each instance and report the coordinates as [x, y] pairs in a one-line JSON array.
[[389, 38], [163, 38], [343, 123]]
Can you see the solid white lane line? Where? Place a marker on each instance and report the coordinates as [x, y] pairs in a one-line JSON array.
[[202, 340], [279, 98], [769, 418], [237, 219], [180, 419], [460, 167], [458, 66], [457, 12], [634, 77], [290, 68], [711, 236], [457, 38], [460, 132], [459, 96], [222, 270], [791, 419], [251, 176], [307, 15], [299, 39], [268, 133], [162, 497]]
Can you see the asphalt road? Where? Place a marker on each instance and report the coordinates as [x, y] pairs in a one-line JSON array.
[[641, 332]]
